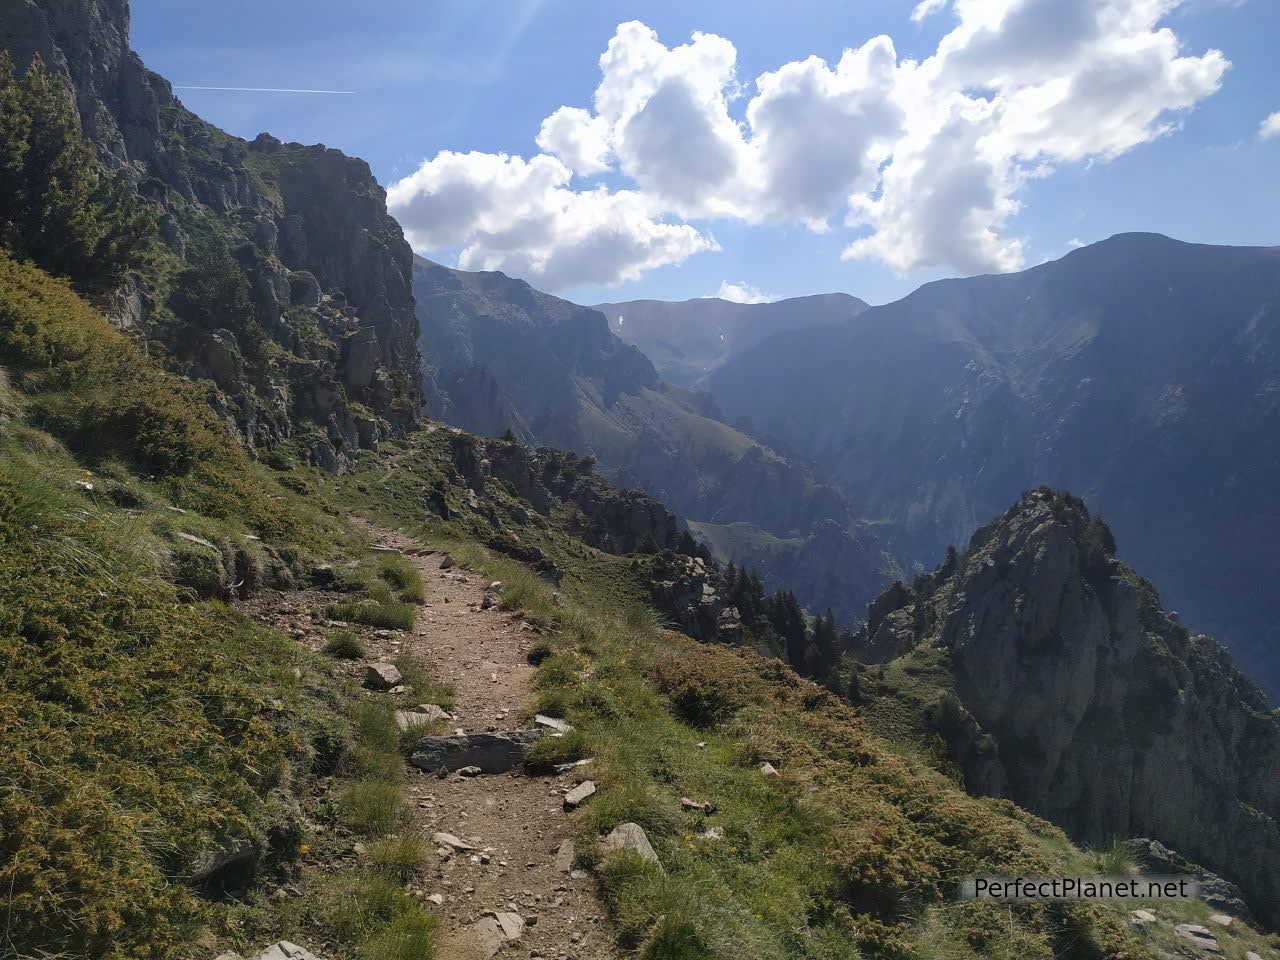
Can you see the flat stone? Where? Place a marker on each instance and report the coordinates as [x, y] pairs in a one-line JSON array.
[[432, 712], [382, 676], [687, 804], [470, 772], [631, 836], [1200, 936], [566, 854], [491, 752], [284, 950], [384, 548], [712, 833], [1222, 920], [551, 723], [452, 842], [1142, 916], [511, 924], [447, 562], [579, 794], [488, 936], [769, 770], [437, 899], [409, 719]]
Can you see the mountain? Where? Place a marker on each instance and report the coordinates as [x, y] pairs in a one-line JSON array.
[[506, 357], [1140, 372], [1062, 684], [259, 243], [688, 340]]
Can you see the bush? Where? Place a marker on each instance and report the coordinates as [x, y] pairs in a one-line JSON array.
[[401, 574], [399, 857], [390, 615]]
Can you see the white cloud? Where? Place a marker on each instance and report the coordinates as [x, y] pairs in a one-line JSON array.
[[1270, 127], [515, 215], [927, 159], [742, 292]]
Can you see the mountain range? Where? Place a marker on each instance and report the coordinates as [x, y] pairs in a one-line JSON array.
[[1139, 372]]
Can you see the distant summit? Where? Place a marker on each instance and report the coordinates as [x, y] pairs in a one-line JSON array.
[[689, 340]]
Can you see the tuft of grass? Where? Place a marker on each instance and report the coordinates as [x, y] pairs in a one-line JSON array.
[[409, 936], [386, 614], [401, 574], [399, 857], [373, 807], [1116, 860], [548, 750], [423, 685], [345, 645]]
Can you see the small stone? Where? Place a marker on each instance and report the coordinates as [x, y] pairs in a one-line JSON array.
[[566, 854], [631, 836], [1221, 919], [1142, 916], [509, 922], [447, 562], [470, 772], [382, 676], [687, 804], [579, 795], [409, 719], [437, 899], [449, 841], [542, 720], [284, 950], [769, 770], [712, 833]]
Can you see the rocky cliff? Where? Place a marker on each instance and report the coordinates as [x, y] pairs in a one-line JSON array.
[[323, 271], [1096, 708]]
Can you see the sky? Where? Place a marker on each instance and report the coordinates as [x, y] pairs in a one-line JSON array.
[[757, 149]]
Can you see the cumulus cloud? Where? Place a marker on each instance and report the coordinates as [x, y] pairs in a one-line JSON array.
[[519, 216], [1270, 127], [742, 292], [926, 160]]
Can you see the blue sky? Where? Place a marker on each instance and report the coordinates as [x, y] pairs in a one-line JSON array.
[[1025, 132]]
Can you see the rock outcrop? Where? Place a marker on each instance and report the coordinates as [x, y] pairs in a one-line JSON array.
[[1107, 716], [325, 270]]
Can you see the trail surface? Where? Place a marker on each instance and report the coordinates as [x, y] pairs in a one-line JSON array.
[[517, 822]]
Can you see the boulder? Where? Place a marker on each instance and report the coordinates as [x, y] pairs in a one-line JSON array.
[[491, 752], [382, 676], [631, 836]]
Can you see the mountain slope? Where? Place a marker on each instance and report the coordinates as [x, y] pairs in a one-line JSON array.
[[687, 341], [1139, 372], [1067, 688], [507, 357], [259, 241]]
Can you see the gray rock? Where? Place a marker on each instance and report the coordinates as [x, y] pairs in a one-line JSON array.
[[284, 950], [566, 854], [452, 842], [769, 770], [491, 752], [510, 924], [447, 562], [1141, 917], [1222, 895], [408, 719], [1199, 936], [382, 676], [631, 836], [488, 936], [551, 723], [579, 795], [226, 864]]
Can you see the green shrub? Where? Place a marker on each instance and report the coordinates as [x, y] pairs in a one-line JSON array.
[[401, 856], [344, 645], [391, 615], [401, 574], [410, 936]]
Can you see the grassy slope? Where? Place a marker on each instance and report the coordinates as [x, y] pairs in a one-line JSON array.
[[146, 723]]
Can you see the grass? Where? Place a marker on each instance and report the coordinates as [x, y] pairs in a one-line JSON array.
[[385, 614], [345, 645]]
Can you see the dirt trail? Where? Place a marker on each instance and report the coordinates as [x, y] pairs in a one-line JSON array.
[[517, 822]]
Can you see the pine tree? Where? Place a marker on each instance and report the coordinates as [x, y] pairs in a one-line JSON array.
[[58, 208]]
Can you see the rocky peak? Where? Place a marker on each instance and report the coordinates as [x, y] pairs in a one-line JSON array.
[[1108, 716], [329, 269]]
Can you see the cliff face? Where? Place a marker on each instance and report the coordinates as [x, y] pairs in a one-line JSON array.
[[1107, 716], [328, 271]]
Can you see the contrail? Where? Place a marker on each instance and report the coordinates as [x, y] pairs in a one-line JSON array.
[[261, 89]]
